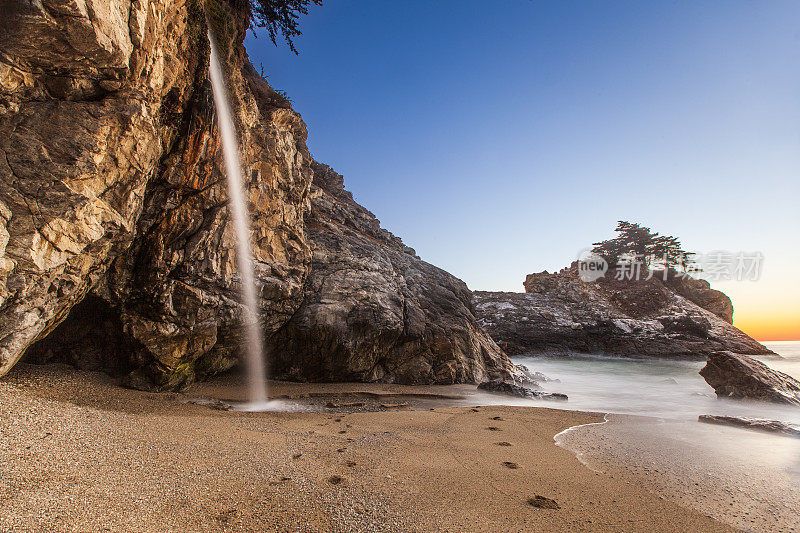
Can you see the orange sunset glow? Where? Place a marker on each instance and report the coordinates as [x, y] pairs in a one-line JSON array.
[[766, 309], [769, 328]]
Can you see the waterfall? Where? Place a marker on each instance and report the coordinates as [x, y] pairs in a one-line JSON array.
[[256, 367]]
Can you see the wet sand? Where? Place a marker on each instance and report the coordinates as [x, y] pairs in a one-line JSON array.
[[747, 479], [78, 453]]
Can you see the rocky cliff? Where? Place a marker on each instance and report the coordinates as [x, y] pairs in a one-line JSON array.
[[560, 313], [373, 310], [114, 223]]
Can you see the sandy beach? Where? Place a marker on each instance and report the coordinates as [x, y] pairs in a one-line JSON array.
[[80, 453]]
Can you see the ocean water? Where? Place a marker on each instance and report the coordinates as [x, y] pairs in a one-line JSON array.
[[790, 351], [670, 389]]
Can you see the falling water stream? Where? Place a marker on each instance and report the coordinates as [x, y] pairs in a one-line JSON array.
[[256, 367]]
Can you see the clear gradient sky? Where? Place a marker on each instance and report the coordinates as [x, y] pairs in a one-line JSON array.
[[501, 138]]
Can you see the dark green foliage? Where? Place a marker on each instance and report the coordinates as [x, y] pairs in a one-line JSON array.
[[279, 17], [636, 242]]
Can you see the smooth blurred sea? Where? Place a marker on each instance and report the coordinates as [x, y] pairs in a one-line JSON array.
[[662, 388]]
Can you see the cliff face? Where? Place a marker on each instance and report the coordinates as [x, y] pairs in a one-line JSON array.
[[81, 87], [374, 311], [560, 313], [111, 186]]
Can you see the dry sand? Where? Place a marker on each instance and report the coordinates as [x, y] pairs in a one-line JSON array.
[[78, 453]]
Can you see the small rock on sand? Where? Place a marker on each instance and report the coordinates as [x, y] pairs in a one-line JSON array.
[[540, 502]]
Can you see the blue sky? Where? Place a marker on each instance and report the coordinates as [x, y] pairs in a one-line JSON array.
[[501, 138]]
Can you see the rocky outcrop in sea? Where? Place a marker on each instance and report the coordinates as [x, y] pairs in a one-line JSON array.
[[741, 377], [756, 424], [116, 244], [560, 313]]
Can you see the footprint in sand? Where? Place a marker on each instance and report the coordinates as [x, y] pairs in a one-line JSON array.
[[509, 464], [226, 516]]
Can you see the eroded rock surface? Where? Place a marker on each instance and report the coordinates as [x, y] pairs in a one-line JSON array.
[[112, 184], [374, 311], [738, 376], [82, 88], [560, 313]]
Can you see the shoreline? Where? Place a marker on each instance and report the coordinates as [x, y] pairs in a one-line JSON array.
[[81, 453], [754, 491], [559, 438]]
